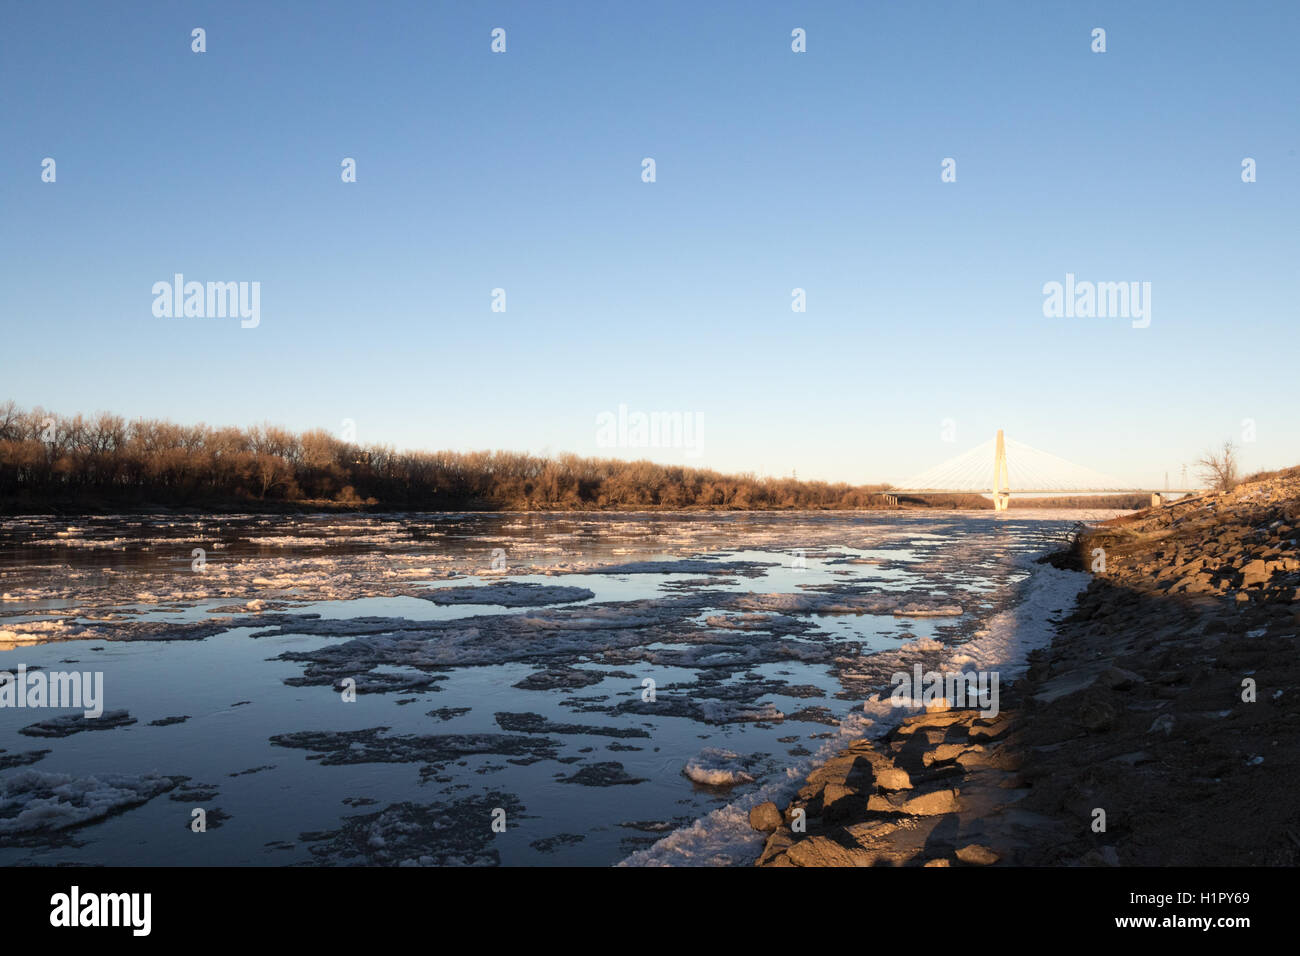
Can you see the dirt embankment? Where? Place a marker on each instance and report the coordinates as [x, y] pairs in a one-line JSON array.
[[1162, 726]]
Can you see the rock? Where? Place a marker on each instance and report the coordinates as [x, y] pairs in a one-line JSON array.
[[822, 851], [944, 753], [1106, 856], [872, 833], [777, 844], [839, 802], [1098, 716], [1117, 678], [850, 770], [990, 728], [942, 862], [893, 778], [1162, 724], [1002, 758], [977, 854], [765, 817], [1256, 572], [929, 720], [877, 803], [932, 804]]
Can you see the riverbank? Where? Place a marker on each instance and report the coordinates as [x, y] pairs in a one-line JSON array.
[[1159, 728]]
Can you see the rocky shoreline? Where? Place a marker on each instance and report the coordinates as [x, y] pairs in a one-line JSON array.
[[1159, 728]]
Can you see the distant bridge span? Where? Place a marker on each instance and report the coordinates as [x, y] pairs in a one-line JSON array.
[[1036, 473], [1047, 491]]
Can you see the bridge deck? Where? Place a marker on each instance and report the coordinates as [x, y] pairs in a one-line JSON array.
[[1047, 491]]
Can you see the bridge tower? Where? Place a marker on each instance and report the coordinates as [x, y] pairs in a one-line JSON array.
[[1001, 477]]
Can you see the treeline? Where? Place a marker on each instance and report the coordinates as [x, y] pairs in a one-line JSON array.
[[105, 461]]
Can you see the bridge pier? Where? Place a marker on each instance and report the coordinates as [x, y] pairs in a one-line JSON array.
[[1001, 476]]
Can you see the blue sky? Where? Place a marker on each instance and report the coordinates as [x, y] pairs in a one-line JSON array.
[[775, 170]]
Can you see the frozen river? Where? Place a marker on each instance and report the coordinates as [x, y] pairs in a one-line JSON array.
[[474, 689]]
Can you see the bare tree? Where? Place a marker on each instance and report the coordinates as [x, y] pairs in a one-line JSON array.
[[1219, 469], [10, 421]]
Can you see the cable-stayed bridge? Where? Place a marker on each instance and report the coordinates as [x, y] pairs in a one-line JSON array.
[[1000, 464]]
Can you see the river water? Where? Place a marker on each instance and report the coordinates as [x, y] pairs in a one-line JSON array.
[[522, 689]]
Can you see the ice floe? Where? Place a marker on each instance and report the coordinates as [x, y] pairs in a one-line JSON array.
[[508, 595], [716, 767], [33, 802]]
